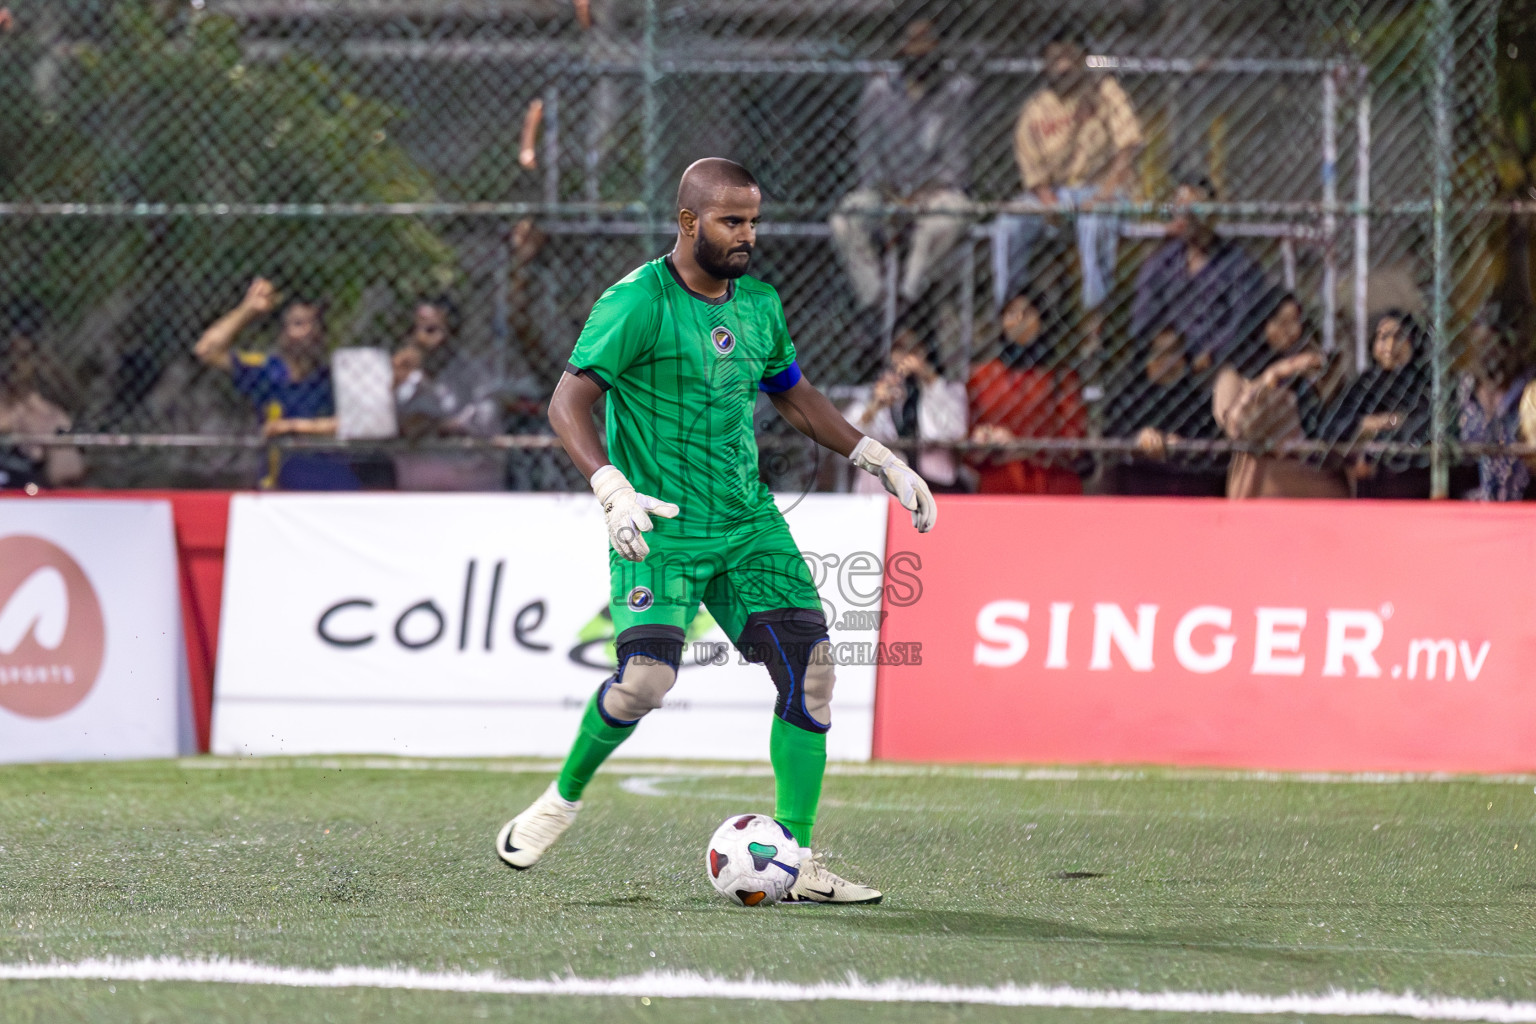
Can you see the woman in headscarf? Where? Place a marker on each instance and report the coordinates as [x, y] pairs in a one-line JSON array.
[[1268, 395], [1488, 406], [1389, 402], [1161, 399]]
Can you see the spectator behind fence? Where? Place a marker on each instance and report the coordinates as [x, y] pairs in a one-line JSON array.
[[1389, 402], [1489, 405], [1166, 402], [1527, 417], [25, 322], [24, 410], [911, 148], [442, 391], [911, 402], [1269, 395], [1021, 394], [1075, 141], [289, 386], [1201, 286]]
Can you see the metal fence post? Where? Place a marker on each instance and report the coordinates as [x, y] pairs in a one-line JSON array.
[[1445, 58], [650, 172], [552, 145], [1362, 214], [1330, 205]]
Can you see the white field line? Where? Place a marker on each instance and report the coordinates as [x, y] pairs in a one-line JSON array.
[[620, 766], [652, 786], [687, 985]]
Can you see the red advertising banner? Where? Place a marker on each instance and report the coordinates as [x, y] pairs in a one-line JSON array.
[[1285, 635]]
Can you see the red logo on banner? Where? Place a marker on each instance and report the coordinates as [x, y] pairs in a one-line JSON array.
[[52, 637]]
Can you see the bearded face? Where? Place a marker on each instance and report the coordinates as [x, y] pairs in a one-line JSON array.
[[719, 223], [723, 258], [1064, 69]]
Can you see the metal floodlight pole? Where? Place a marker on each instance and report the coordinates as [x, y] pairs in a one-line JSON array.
[[1445, 63]]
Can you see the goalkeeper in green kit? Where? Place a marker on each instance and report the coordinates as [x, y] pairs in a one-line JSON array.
[[680, 349]]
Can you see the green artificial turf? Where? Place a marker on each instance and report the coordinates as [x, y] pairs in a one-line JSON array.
[[1101, 880]]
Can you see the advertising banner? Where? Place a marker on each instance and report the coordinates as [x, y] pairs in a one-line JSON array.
[[1284, 635], [477, 625], [91, 660]]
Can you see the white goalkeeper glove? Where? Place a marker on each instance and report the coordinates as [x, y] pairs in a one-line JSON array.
[[627, 512], [905, 485]]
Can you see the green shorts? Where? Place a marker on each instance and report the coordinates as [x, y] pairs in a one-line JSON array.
[[756, 567]]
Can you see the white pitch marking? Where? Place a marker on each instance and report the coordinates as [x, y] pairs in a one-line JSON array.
[[650, 786], [644, 785], [688, 985], [880, 769]]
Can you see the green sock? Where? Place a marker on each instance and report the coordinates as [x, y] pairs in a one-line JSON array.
[[799, 760], [594, 742]]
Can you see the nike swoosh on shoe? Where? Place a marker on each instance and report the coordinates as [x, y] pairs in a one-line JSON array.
[[507, 847]]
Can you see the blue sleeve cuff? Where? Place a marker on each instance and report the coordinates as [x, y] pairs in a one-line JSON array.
[[781, 381]]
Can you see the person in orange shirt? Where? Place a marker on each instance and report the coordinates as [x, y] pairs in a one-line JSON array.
[[1020, 394]]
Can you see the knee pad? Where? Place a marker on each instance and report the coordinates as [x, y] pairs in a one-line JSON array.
[[793, 644], [648, 660], [820, 677]]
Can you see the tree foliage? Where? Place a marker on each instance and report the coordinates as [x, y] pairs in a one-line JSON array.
[[165, 107]]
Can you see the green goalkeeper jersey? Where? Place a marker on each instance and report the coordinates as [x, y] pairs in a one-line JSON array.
[[682, 373]]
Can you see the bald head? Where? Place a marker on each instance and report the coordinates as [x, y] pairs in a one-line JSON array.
[[718, 204], [708, 182]]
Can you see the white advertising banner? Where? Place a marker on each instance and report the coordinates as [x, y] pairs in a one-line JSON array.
[[476, 625], [91, 659]]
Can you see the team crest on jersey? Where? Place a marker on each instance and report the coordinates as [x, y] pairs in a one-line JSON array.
[[723, 340], [640, 599]]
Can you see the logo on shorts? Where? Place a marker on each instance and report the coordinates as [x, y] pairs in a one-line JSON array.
[[723, 340], [52, 637], [640, 599]]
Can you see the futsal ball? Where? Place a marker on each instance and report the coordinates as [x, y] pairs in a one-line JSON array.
[[752, 860]]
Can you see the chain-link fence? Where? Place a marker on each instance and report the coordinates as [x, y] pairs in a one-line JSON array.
[[1120, 245]]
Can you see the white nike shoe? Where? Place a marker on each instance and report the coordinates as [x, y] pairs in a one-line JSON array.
[[524, 839], [818, 885]]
